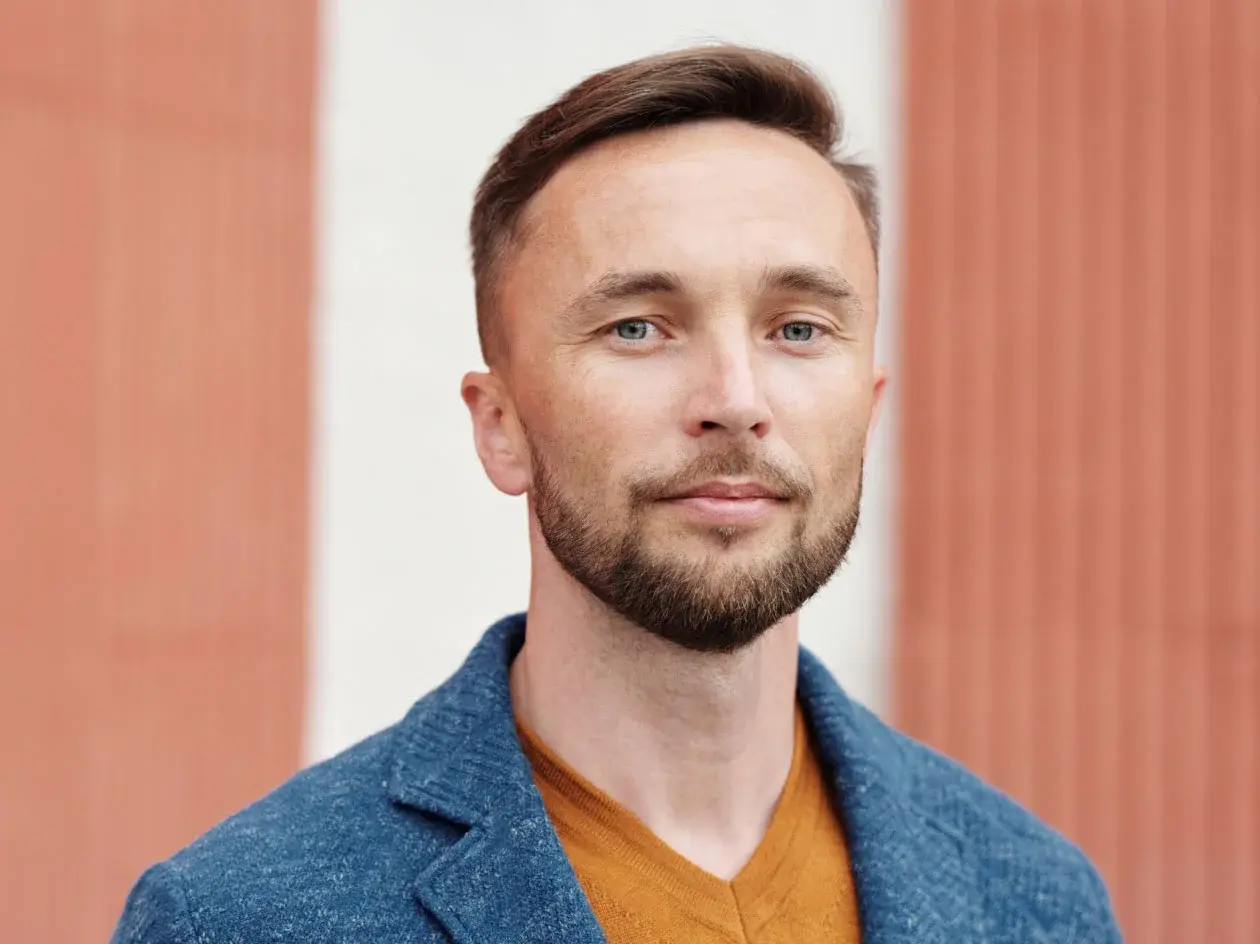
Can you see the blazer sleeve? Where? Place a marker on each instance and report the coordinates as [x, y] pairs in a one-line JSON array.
[[1108, 926], [156, 911]]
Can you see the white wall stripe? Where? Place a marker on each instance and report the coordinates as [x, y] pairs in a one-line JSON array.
[[414, 552]]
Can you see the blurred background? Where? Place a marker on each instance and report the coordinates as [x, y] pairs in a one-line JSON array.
[[242, 524]]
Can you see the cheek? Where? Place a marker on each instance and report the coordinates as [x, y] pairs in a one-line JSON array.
[[822, 413], [617, 413], [589, 433], [820, 396]]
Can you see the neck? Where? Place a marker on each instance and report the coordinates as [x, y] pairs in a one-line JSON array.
[[696, 745]]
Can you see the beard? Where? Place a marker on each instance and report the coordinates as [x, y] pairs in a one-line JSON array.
[[692, 603]]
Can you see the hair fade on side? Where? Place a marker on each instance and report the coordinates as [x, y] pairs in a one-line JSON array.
[[705, 82]]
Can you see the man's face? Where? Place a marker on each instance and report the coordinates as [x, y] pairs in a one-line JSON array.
[[690, 323]]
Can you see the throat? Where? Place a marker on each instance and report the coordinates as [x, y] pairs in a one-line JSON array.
[[694, 747], [686, 818]]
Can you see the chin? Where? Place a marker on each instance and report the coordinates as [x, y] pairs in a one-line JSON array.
[[750, 546], [721, 563]]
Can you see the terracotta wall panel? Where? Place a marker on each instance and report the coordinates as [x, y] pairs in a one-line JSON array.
[[155, 276], [1080, 606]]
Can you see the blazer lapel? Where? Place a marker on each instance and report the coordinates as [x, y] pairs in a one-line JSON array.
[[510, 882], [506, 877], [912, 882], [502, 876]]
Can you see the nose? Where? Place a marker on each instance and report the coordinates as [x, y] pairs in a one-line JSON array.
[[728, 396]]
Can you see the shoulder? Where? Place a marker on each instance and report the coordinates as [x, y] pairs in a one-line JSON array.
[[1025, 869], [324, 849]]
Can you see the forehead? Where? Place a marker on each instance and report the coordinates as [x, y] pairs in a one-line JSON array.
[[716, 202]]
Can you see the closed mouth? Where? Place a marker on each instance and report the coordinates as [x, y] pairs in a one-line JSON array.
[[730, 491]]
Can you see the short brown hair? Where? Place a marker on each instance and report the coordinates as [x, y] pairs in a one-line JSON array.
[[705, 82]]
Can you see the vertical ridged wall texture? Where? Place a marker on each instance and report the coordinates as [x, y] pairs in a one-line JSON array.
[[155, 281], [1079, 614]]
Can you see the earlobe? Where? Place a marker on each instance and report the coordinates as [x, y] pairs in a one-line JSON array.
[[496, 434]]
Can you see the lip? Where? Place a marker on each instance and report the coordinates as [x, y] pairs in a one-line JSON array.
[[726, 503], [730, 491]]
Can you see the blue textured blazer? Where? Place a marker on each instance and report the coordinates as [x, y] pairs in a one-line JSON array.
[[433, 830]]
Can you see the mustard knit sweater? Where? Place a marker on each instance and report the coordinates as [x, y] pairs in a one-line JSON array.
[[796, 888]]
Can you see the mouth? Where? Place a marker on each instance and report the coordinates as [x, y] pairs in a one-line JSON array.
[[730, 491], [727, 503]]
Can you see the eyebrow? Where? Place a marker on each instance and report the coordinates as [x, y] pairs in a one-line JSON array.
[[821, 282], [618, 286]]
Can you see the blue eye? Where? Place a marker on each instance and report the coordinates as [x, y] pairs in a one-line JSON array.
[[798, 331], [632, 330]]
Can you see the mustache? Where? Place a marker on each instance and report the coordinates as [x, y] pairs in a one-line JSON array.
[[729, 463]]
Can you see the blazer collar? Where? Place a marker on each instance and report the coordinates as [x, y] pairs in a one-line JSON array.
[[912, 882], [507, 878]]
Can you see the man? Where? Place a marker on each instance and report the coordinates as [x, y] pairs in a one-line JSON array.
[[676, 298]]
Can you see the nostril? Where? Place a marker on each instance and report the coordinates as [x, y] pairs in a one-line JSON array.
[[710, 424]]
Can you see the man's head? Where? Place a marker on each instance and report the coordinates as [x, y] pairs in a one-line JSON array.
[[676, 294]]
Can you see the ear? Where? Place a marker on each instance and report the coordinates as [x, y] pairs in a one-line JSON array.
[[497, 433], [877, 400]]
